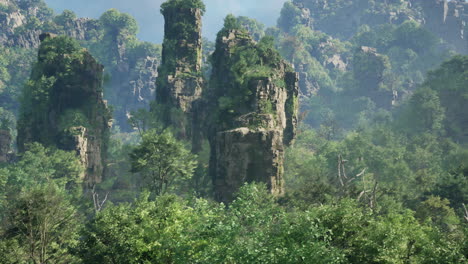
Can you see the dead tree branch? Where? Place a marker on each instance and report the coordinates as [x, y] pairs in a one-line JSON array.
[[98, 204]]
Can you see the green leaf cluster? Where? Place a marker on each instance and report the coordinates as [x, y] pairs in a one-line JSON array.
[[255, 229], [169, 4], [38, 199], [163, 161]]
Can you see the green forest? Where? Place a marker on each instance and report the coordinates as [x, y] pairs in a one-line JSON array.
[[340, 135]]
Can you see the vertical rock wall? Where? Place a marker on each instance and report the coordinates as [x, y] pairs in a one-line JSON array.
[[180, 82], [248, 134], [132, 84], [63, 104]]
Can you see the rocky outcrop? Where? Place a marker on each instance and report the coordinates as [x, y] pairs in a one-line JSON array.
[[132, 74], [180, 82], [448, 20], [64, 106], [132, 87], [79, 29], [5, 143], [17, 31], [342, 19], [254, 118]]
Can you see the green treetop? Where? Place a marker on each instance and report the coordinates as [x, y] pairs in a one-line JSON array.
[[183, 4]]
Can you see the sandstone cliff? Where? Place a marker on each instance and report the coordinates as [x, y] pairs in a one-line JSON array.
[[63, 104], [254, 114]]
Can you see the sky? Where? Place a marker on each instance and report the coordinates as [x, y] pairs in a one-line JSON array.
[[150, 20]]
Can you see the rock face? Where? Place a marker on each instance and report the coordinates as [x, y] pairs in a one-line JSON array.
[[342, 19], [16, 31], [448, 20], [5, 142], [180, 82], [254, 118], [63, 105], [132, 84], [132, 87]]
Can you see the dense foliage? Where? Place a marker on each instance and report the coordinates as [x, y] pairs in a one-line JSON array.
[[111, 39], [162, 161], [247, 62], [378, 173], [38, 203], [60, 64]]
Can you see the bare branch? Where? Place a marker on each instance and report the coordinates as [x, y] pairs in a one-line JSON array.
[[97, 203], [361, 173]]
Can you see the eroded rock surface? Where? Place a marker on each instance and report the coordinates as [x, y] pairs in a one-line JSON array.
[[132, 83], [64, 105], [249, 133], [447, 20], [180, 82]]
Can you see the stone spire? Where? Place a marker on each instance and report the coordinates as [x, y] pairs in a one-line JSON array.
[[180, 80], [255, 117]]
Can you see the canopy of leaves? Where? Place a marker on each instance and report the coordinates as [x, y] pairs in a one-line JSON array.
[[162, 160], [60, 66], [183, 4], [450, 81], [116, 23], [255, 229]]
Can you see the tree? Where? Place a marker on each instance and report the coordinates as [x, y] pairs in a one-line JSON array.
[[162, 160], [171, 230], [290, 16], [116, 23], [66, 18], [40, 165], [254, 27], [41, 224], [423, 113], [4, 75], [439, 212], [183, 4], [451, 83]]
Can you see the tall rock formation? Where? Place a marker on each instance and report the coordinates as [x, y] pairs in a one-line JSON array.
[[180, 81], [62, 105], [255, 97], [131, 65], [132, 68]]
